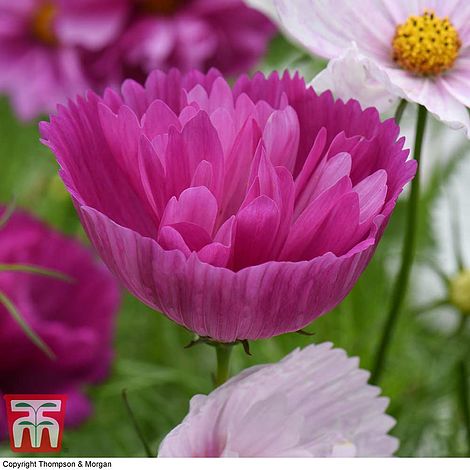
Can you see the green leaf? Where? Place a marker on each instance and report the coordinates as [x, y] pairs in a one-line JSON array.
[[26, 423], [23, 405], [34, 337], [7, 214], [28, 268], [48, 405], [46, 423]]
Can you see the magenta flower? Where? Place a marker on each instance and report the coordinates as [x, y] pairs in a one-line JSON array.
[[191, 34], [54, 49], [240, 214], [314, 403], [40, 62], [75, 319]]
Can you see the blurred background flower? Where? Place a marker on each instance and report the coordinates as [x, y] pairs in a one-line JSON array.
[[73, 317], [249, 213], [38, 68], [313, 403], [191, 34], [51, 50]]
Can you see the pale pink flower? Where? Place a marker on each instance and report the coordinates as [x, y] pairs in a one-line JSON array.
[[314, 403]]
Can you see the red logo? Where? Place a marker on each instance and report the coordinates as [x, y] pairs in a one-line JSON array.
[[35, 422]]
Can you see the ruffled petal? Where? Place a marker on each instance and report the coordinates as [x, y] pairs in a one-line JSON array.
[[256, 302]]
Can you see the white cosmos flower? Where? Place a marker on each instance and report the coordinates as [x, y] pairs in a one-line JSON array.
[[420, 47]]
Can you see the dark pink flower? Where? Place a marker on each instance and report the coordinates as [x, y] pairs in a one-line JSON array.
[[240, 214], [54, 49], [40, 61], [74, 319], [191, 34]]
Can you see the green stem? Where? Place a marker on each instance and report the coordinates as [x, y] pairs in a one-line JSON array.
[[223, 363], [7, 214], [23, 324], [409, 242], [31, 269], [464, 397], [135, 424], [400, 110]]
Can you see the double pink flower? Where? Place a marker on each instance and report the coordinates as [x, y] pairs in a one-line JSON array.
[[240, 213]]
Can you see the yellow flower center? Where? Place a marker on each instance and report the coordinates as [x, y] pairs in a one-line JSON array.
[[426, 44], [161, 7], [460, 291], [43, 27]]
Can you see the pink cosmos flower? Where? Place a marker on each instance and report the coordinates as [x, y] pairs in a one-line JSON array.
[[40, 62], [75, 319], [314, 403], [54, 49], [189, 34], [417, 50], [240, 214]]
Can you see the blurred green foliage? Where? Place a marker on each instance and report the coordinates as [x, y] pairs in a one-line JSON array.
[[161, 376]]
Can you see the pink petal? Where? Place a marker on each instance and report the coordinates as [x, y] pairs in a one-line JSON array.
[[256, 231], [158, 118], [281, 136], [195, 205], [262, 301]]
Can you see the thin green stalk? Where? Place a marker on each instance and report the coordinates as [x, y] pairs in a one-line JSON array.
[[223, 363], [31, 269], [409, 242], [135, 424], [7, 214], [23, 324], [400, 110], [464, 398]]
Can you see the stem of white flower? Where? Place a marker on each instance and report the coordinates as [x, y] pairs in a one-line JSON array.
[[400, 110], [408, 252]]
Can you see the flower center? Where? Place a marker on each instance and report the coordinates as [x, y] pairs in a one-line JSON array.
[[426, 44], [162, 7], [460, 291], [43, 28]]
